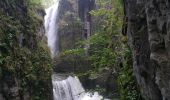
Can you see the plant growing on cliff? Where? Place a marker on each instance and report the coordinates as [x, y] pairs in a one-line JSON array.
[[107, 49], [23, 55], [127, 84], [105, 39]]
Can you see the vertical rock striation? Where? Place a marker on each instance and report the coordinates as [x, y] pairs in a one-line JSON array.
[[147, 26]]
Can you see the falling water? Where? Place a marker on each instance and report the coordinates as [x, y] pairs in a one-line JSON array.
[[70, 88], [51, 27]]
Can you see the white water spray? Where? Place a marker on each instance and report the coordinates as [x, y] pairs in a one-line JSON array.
[[71, 89]]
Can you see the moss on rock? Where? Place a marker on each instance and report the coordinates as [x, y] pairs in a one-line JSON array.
[[25, 60]]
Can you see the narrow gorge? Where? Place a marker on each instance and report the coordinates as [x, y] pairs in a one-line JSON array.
[[84, 50]]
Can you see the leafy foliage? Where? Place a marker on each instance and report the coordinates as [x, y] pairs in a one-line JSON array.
[[108, 48], [127, 84], [23, 53], [104, 42]]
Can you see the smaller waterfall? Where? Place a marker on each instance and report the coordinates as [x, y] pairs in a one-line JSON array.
[[71, 89], [68, 89]]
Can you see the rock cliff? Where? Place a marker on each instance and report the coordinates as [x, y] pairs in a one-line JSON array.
[[147, 27], [73, 16], [25, 63]]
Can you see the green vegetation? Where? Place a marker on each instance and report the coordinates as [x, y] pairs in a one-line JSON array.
[[126, 80], [108, 48], [25, 56], [29, 61]]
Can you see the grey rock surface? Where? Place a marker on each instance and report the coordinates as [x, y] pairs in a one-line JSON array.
[[147, 27]]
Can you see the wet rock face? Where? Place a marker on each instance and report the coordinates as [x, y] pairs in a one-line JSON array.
[[148, 23]]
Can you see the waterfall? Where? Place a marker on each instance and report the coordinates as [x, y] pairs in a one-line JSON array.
[[51, 27], [70, 88]]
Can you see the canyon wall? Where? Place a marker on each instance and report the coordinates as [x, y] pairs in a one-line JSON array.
[[147, 25], [25, 62]]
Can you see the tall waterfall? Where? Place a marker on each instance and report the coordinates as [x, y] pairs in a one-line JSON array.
[[51, 27], [63, 89]]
